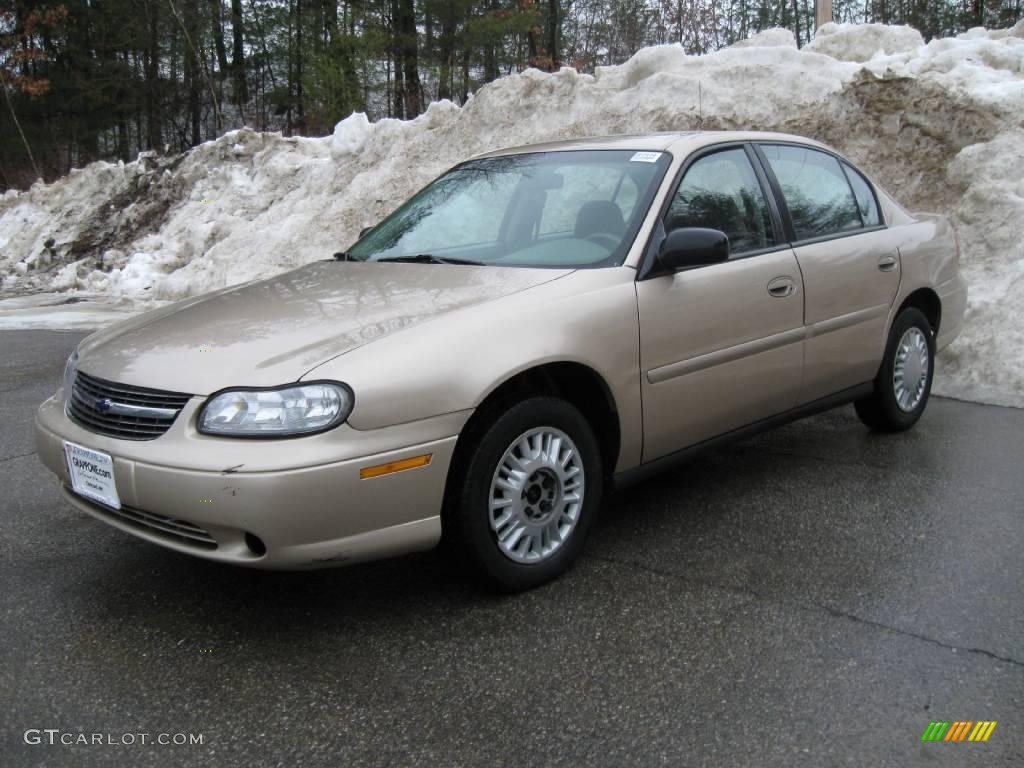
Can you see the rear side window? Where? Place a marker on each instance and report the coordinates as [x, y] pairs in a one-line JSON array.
[[721, 191], [817, 193], [866, 203]]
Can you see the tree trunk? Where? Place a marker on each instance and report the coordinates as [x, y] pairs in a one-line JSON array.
[[192, 75], [17, 124], [265, 71], [238, 53], [532, 37], [153, 128], [409, 45], [428, 30], [124, 133], [300, 106], [491, 49], [490, 63], [397, 107], [466, 52], [446, 52], [122, 138], [554, 28], [217, 29], [291, 69], [331, 20]]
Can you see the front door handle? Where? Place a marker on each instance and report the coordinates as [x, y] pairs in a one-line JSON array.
[[887, 263], [781, 287]]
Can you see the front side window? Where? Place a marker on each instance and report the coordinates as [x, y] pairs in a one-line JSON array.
[[543, 209], [817, 193], [721, 191]]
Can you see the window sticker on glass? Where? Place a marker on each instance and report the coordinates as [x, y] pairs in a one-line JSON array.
[[645, 157]]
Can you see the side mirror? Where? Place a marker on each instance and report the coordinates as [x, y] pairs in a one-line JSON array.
[[363, 231], [690, 247]]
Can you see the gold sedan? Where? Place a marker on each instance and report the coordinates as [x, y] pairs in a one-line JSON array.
[[533, 326]]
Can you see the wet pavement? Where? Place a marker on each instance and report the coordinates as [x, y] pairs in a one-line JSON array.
[[813, 596]]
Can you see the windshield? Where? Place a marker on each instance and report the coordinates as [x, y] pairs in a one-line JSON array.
[[545, 209]]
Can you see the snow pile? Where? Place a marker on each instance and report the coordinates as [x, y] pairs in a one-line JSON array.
[[770, 38], [861, 42], [939, 125], [350, 136], [987, 364]]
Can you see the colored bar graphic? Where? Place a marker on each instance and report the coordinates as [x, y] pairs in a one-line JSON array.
[[982, 730], [958, 730]]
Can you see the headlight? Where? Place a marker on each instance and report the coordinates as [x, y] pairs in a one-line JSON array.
[[294, 410], [70, 369]]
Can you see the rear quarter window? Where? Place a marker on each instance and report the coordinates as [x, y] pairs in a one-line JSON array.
[[867, 205]]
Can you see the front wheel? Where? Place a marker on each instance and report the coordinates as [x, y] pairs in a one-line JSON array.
[[904, 381], [526, 489]]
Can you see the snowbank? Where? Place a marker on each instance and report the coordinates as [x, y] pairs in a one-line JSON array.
[[860, 42], [940, 125], [768, 39]]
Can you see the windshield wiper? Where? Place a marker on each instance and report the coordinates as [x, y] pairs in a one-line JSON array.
[[429, 258]]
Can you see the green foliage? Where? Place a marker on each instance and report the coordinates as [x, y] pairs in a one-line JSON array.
[[87, 80], [332, 82]]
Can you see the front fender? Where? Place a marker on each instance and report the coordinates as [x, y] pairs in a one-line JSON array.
[[452, 362]]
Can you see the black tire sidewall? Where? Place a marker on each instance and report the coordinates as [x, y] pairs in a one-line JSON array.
[[473, 502], [895, 417]]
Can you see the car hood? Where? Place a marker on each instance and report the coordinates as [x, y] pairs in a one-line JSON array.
[[273, 331]]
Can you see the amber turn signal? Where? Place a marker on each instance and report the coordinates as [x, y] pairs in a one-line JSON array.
[[394, 466]]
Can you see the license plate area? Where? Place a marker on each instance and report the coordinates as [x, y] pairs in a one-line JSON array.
[[92, 474]]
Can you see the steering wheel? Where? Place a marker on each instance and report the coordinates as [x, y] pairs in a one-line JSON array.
[[609, 241]]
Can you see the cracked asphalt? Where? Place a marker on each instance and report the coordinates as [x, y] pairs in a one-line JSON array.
[[810, 597]]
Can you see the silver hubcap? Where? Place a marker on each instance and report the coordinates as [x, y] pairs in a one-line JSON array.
[[536, 495], [910, 373]]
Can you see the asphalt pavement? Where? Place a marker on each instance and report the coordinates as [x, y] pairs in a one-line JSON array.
[[810, 597]]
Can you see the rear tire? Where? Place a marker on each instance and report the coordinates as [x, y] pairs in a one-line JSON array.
[[904, 381], [524, 491]]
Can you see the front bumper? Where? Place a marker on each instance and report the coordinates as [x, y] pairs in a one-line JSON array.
[[315, 511]]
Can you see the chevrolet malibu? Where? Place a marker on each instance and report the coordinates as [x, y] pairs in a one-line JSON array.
[[535, 326]]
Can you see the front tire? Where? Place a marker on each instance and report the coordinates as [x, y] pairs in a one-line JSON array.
[[525, 489], [904, 381]]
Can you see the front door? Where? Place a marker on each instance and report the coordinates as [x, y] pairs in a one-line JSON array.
[[721, 346]]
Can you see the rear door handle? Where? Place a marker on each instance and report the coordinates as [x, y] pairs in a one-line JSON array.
[[887, 263], [781, 287]]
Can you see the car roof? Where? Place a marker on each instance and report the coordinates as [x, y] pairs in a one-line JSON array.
[[676, 141]]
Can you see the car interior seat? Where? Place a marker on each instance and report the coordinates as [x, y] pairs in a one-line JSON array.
[[599, 216]]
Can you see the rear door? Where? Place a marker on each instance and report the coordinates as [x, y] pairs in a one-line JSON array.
[[851, 271], [721, 346]]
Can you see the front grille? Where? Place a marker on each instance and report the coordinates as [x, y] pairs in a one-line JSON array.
[[93, 404], [179, 531]]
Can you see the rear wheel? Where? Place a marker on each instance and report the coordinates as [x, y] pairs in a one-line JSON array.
[[904, 381], [525, 490]]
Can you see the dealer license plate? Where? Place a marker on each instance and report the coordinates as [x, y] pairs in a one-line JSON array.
[[92, 474]]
